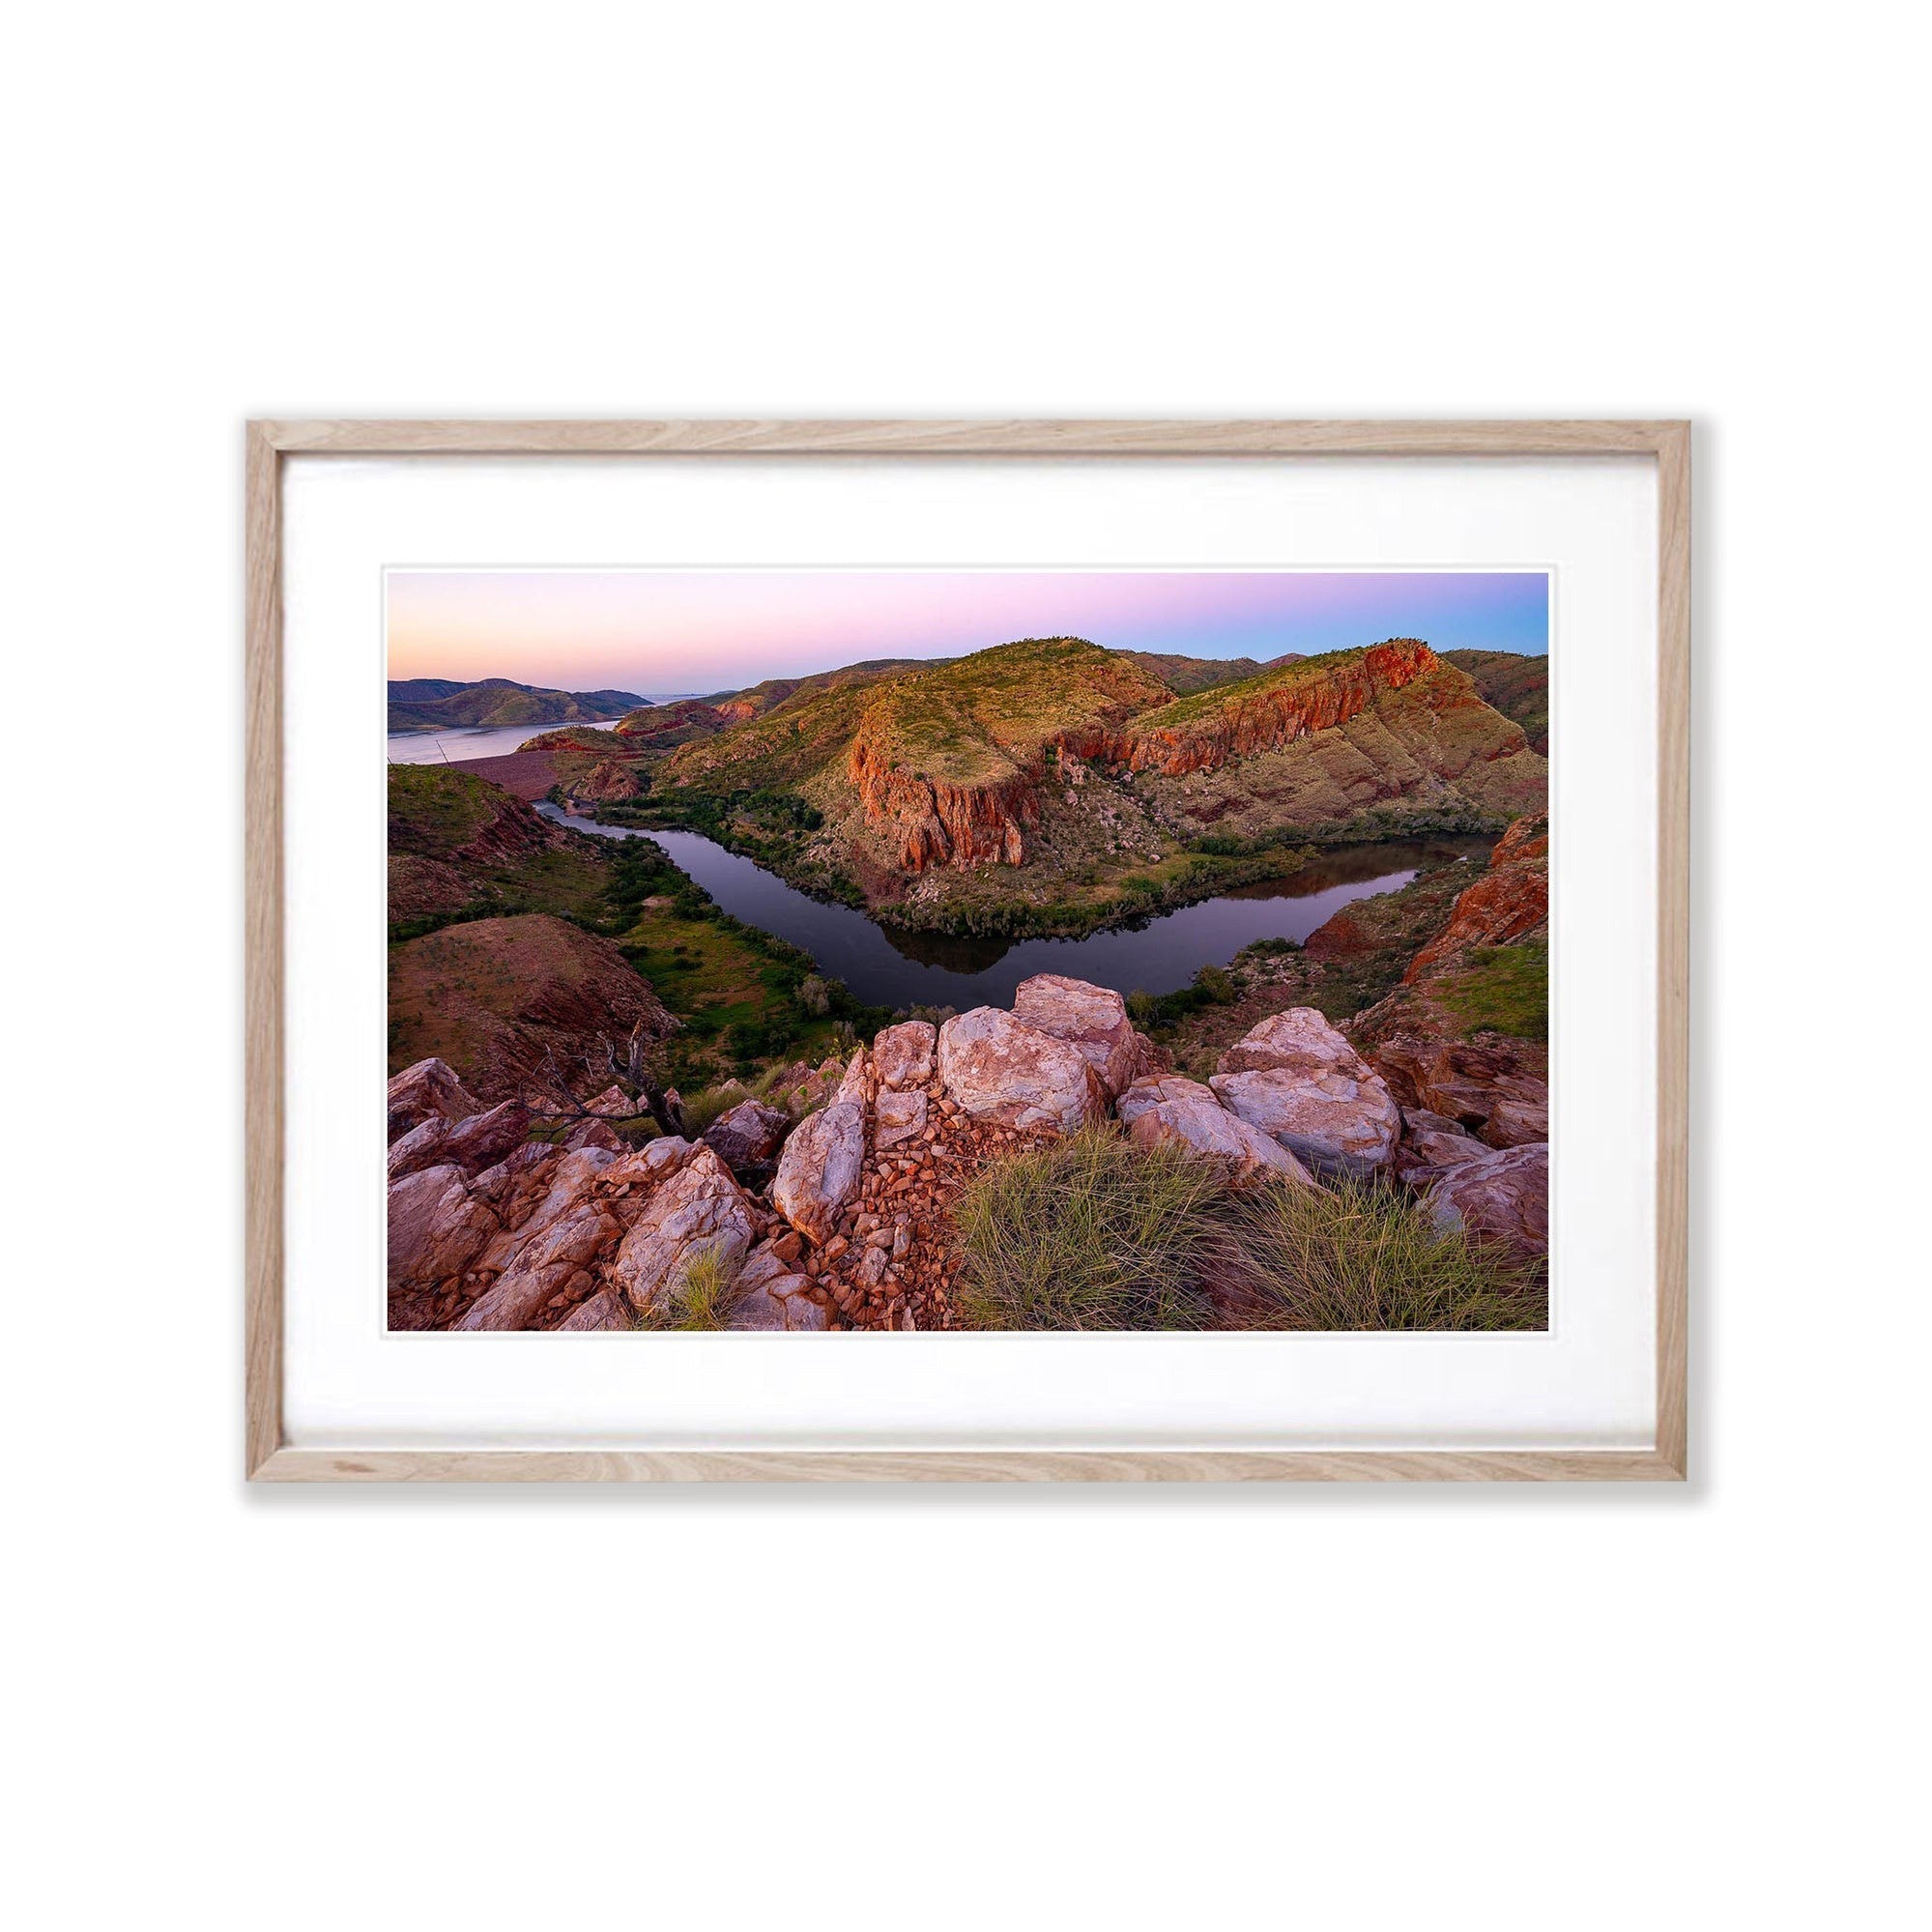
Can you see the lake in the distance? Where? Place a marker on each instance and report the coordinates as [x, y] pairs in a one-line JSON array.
[[448, 744], [886, 967]]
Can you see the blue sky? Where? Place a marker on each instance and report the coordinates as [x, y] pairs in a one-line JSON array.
[[652, 630]]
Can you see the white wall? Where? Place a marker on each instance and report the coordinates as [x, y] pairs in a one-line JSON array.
[[1386, 1708]]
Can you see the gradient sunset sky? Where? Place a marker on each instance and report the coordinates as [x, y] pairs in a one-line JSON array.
[[656, 632]]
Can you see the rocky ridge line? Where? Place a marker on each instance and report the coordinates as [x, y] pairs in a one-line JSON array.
[[941, 823]]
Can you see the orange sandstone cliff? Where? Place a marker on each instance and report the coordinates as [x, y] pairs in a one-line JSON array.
[[941, 823]]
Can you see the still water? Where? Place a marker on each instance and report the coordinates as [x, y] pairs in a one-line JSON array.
[[886, 967], [451, 742]]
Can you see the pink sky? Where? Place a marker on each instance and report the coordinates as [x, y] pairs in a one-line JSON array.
[[656, 632]]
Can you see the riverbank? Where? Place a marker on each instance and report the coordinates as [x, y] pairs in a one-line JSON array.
[[1093, 905], [1156, 952]]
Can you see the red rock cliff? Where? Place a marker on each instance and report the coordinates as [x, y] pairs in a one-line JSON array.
[[939, 823], [945, 824], [1509, 901], [1268, 720]]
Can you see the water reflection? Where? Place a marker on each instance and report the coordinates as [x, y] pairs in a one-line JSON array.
[[888, 967]]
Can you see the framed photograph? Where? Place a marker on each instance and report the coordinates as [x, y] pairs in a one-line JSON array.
[[1007, 951]]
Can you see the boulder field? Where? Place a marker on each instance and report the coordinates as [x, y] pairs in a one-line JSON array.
[[489, 1228]]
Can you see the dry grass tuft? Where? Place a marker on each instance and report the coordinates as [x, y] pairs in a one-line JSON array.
[[701, 1298], [1360, 1254], [1090, 1232], [703, 1107], [1096, 1233]]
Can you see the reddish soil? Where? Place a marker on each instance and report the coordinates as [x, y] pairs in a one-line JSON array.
[[917, 1183], [524, 774], [493, 997]]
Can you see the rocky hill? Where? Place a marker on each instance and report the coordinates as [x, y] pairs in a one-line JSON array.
[[424, 704], [459, 845], [513, 935], [754, 700], [680, 720], [505, 998], [1041, 784], [1465, 1035], [1050, 785], [1515, 685]]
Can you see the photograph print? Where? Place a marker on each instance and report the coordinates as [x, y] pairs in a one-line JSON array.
[[942, 950]]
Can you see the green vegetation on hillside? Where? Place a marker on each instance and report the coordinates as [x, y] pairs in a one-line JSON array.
[[461, 849], [434, 808], [1182, 674], [424, 704], [1501, 990], [743, 997], [1099, 845], [961, 721], [1277, 677], [775, 691], [1157, 1015]]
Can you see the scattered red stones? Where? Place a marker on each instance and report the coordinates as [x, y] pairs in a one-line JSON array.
[[893, 1260]]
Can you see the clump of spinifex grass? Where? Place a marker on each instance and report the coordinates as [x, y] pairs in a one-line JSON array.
[[701, 1297], [703, 1107], [1360, 1254], [1090, 1232]]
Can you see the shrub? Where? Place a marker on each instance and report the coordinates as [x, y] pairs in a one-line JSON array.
[[815, 995], [751, 1041], [1091, 1232], [1360, 1254], [1213, 985]]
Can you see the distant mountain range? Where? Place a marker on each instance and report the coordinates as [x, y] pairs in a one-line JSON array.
[[425, 704]]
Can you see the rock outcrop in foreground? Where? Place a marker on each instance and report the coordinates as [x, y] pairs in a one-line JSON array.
[[490, 1229], [1297, 1079]]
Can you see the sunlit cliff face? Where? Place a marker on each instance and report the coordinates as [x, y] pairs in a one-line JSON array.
[[941, 822]]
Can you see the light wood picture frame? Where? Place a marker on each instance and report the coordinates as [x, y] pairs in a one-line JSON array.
[[270, 1456]]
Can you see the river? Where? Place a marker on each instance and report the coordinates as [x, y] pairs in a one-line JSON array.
[[887, 968]]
